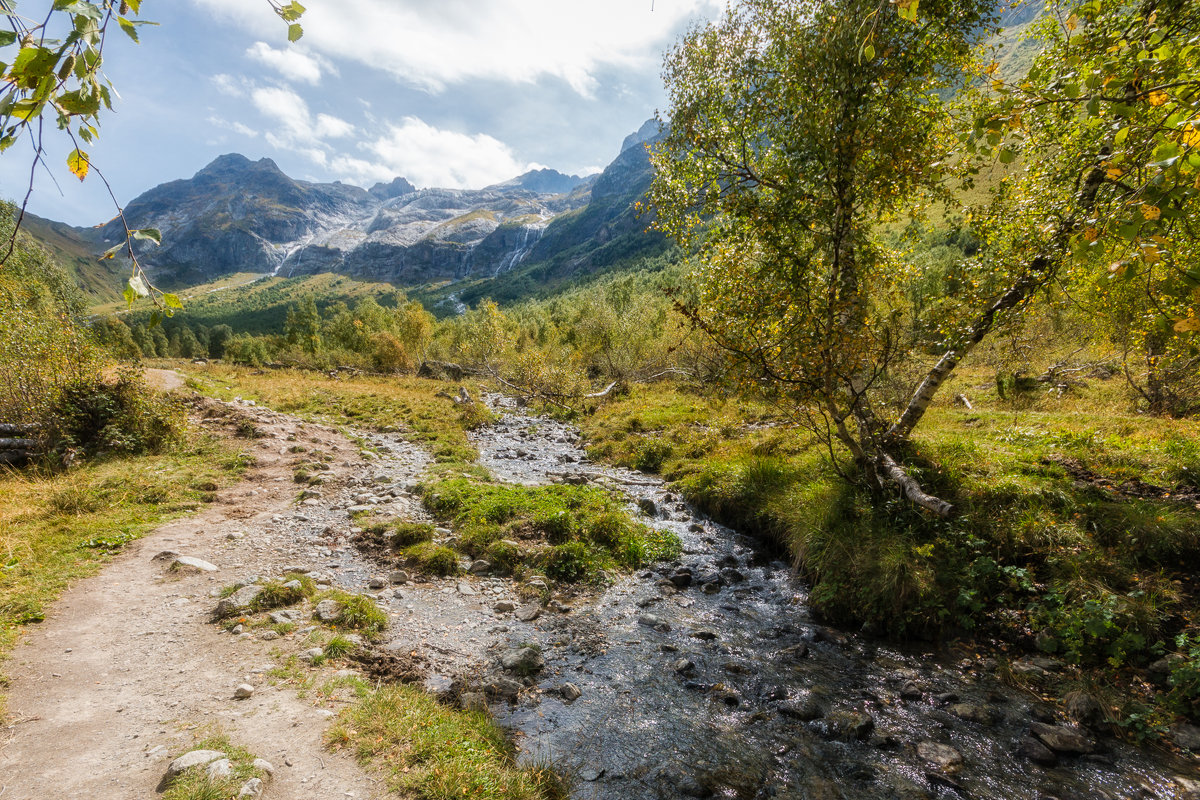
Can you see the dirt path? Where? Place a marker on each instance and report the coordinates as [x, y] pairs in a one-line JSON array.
[[128, 670]]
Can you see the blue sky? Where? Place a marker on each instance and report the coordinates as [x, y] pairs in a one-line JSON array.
[[458, 93]]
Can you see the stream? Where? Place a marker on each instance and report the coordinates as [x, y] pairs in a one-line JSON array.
[[709, 677]]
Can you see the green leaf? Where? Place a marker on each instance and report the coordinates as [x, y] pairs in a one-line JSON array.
[[1007, 156], [869, 52], [130, 295], [137, 284], [295, 32], [128, 27], [7, 38], [172, 301], [147, 234]]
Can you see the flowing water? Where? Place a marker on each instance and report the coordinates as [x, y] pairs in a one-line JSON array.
[[739, 692]]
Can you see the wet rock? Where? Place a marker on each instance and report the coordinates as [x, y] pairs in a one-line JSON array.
[[473, 701], [504, 607], [190, 564], [1027, 669], [725, 694], [239, 602], [529, 612], [847, 725], [196, 758], [685, 783], [523, 660], [399, 577], [666, 586], [711, 587], [795, 651], [327, 611], [569, 692], [704, 634], [647, 506], [695, 527], [733, 576], [1032, 749], [803, 707], [1083, 708], [911, 691], [1186, 736], [1189, 789], [728, 560], [945, 698], [657, 623], [502, 686], [683, 666], [681, 578], [942, 756], [972, 713], [1062, 739], [243, 691], [939, 779]]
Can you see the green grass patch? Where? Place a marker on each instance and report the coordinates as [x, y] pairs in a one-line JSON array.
[[358, 612], [431, 559], [586, 528], [434, 752], [194, 784]]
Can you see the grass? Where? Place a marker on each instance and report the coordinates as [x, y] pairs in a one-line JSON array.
[[194, 784], [433, 752], [574, 533], [408, 404], [57, 528], [431, 559], [358, 612]]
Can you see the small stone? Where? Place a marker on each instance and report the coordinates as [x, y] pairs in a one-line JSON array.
[[657, 623], [399, 577], [221, 768], [504, 607], [328, 610], [1061, 739], [911, 691], [283, 617], [712, 587], [264, 765], [795, 651], [804, 707], [846, 725], [502, 686], [942, 756], [480, 567], [523, 660], [647, 506], [467, 589], [705, 635], [190, 564], [244, 691], [311, 654], [234, 536], [238, 602], [529, 612], [252, 788], [972, 713], [377, 583], [1036, 752], [268, 636], [196, 758], [683, 665], [1189, 789], [681, 578], [166, 555], [570, 692]]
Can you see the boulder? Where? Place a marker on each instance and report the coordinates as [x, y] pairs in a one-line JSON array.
[[328, 611], [657, 623], [1033, 749], [529, 612], [1062, 739], [504, 607], [191, 564], [523, 660], [942, 756], [239, 602]]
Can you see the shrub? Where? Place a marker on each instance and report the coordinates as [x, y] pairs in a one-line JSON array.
[[573, 561], [124, 416], [406, 534], [651, 454]]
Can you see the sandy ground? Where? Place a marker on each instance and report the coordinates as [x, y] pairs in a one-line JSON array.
[[88, 719]]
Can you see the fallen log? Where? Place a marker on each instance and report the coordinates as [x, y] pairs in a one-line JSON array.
[[18, 444]]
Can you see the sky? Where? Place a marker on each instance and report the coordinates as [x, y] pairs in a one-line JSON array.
[[447, 93]]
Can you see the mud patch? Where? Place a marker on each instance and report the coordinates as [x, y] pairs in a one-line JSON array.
[[377, 546], [390, 667]]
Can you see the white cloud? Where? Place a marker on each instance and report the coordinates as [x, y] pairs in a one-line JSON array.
[[295, 127], [292, 63], [330, 127], [233, 125], [229, 85], [430, 156], [431, 45]]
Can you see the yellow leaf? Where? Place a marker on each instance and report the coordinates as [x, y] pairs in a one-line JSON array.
[[78, 163], [1189, 325], [1114, 172], [1072, 22], [997, 85], [1091, 234], [1150, 254], [1191, 137], [1158, 97], [1151, 212]]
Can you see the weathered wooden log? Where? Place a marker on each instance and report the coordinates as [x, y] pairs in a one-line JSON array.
[[10, 429], [18, 444]]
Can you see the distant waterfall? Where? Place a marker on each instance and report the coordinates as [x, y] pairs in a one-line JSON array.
[[529, 237]]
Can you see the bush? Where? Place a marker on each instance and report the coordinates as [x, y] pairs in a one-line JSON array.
[[124, 416], [432, 558], [406, 534], [572, 562], [651, 454]]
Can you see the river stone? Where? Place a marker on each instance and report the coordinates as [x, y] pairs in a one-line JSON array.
[[376, 583], [196, 758], [1032, 749], [732, 576], [683, 665], [795, 651], [502, 686], [710, 587], [657, 623], [570, 692], [328, 610], [1083, 708], [504, 607], [911, 690], [523, 660], [682, 578], [803, 707], [466, 589], [473, 701], [221, 768], [1062, 739], [190, 564], [942, 756], [529, 612], [1186, 736], [705, 635], [972, 713], [238, 602], [399, 577], [847, 725], [647, 506], [1188, 789]]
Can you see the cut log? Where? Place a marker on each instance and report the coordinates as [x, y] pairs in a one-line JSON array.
[[912, 490]]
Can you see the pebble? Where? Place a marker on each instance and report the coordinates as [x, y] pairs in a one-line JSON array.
[[657, 623], [244, 691], [529, 612]]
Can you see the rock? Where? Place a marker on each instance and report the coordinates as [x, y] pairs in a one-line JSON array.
[[732, 576], [311, 655], [569, 692], [166, 555], [529, 612], [284, 617], [795, 651], [972, 713], [399, 577], [1189, 789], [647, 506], [238, 602], [725, 693], [473, 701], [523, 660], [803, 707], [911, 691], [252, 788], [681, 578], [504, 607], [683, 665], [1186, 736], [268, 636], [942, 756], [945, 698], [847, 725], [537, 583], [502, 686], [196, 758], [1027, 669], [1062, 739], [243, 691], [190, 564], [1083, 708], [376, 583], [466, 589], [221, 768], [264, 765], [328, 611], [706, 635], [1032, 749], [711, 587], [480, 567], [657, 623]]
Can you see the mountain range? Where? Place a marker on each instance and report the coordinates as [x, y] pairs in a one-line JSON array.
[[236, 215]]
